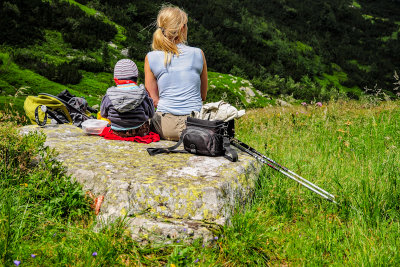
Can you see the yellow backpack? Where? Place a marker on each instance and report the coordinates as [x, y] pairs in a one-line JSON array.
[[44, 108]]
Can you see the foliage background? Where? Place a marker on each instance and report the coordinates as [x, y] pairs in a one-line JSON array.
[[309, 49]]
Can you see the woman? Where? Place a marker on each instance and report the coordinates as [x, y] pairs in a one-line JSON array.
[[175, 74]]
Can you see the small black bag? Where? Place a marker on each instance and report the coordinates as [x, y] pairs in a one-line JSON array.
[[204, 137]]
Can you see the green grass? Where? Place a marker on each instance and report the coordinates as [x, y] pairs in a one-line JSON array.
[[231, 89], [55, 51], [16, 77], [348, 148], [16, 83]]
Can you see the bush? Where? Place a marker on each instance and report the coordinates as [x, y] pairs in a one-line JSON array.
[[6, 88], [87, 32], [26, 161], [64, 73], [220, 93], [89, 65], [67, 73], [305, 89]]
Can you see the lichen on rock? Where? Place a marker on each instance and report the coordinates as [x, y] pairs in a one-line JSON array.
[[157, 194]]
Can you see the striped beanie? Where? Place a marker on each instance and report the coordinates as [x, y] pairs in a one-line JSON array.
[[124, 69]]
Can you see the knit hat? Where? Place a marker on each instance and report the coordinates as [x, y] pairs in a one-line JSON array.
[[125, 68]]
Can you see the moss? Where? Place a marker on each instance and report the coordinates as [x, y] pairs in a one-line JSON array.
[[186, 186]]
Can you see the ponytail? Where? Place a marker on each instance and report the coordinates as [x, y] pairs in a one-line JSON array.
[[170, 31]]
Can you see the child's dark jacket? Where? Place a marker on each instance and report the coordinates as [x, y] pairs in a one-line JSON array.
[[127, 106]]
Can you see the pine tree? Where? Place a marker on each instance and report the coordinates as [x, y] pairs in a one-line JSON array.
[[106, 57]]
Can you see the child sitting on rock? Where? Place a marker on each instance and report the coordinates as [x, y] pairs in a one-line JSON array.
[[127, 105]]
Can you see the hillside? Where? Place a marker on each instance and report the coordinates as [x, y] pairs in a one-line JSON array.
[[311, 50], [320, 52], [76, 49], [339, 45]]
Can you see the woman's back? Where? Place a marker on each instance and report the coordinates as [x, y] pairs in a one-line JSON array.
[[178, 81]]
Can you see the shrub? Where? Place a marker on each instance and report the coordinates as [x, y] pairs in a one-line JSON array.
[[89, 65], [25, 160], [220, 93], [64, 73]]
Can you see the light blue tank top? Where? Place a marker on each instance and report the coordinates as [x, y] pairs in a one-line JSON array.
[[178, 82]]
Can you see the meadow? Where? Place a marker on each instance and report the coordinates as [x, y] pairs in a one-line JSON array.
[[348, 148]]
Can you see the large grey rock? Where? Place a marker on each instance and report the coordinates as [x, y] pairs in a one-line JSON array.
[[164, 196], [283, 103]]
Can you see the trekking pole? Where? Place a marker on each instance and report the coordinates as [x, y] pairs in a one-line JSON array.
[[276, 166], [285, 169]]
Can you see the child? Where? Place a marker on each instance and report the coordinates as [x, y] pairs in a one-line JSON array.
[[127, 105]]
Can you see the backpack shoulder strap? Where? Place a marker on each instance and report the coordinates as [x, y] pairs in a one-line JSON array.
[[68, 106], [160, 150]]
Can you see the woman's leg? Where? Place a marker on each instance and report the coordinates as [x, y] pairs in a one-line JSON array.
[[168, 126]]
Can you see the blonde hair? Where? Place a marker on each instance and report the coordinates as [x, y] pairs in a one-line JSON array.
[[170, 31]]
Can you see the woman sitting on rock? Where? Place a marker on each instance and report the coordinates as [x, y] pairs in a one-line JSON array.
[[175, 74]]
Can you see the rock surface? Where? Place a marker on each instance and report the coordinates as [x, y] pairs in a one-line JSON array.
[[162, 197]]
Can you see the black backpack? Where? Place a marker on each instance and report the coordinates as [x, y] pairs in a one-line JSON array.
[[204, 137]]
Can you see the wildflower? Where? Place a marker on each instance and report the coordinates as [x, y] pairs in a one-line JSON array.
[[24, 184], [304, 104], [17, 263], [33, 255], [54, 234], [342, 131], [348, 123], [94, 254], [184, 229], [197, 260], [216, 238], [173, 265], [319, 104], [177, 241], [203, 245]]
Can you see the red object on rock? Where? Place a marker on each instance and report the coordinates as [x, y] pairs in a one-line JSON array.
[[96, 202], [107, 133]]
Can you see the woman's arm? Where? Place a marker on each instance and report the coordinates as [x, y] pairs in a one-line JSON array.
[[204, 79], [150, 82]]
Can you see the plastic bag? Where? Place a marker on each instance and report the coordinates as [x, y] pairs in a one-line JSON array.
[[94, 126]]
